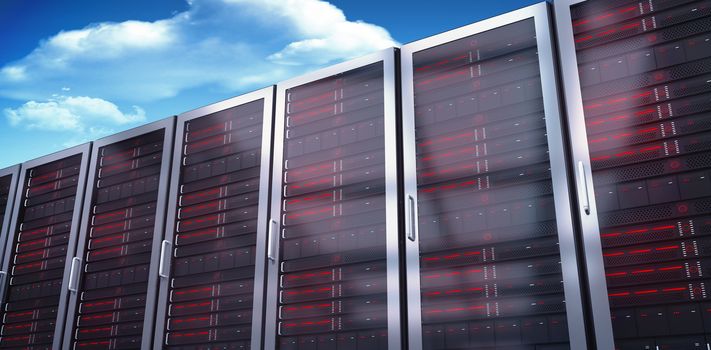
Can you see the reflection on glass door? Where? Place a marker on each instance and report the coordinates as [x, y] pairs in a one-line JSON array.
[[645, 78], [332, 285], [489, 256]]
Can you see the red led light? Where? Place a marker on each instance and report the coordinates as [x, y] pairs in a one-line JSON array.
[[470, 183], [311, 198], [95, 330], [192, 305], [199, 207], [120, 155], [100, 303], [313, 183], [112, 215], [446, 139], [94, 317], [648, 291], [191, 319], [192, 334], [193, 291], [615, 101], [216, 127], [314, 99], [308, 307], [308, 275], [452, 256], [201, 194], [448, 76], [456, 309], [307, 291], [443, 62], [92, 343], [54, 174], [119, 166], [318, 169], [208, 232], [637, 231], [313, 113], [108, 227], [310, 212]]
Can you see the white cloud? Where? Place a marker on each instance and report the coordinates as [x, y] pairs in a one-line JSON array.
[[13, 73], [326, 34], [82, 116], [216, 45]]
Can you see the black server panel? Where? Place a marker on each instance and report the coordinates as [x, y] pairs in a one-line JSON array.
[[645, 75], [211, 288], [38, 246], [490, 264], [8, 184], [114, 283], [5, 193], [332, 271]]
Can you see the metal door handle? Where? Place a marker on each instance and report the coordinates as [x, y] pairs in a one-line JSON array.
[[411, 231], [583, 184], [73, 275], [161, 264], [270, 240]]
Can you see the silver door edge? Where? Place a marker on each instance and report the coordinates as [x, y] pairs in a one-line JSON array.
[[571, 282], [71, 310], [84, 150], [386, 56], [265, 94], [14, 172], [592, 246]]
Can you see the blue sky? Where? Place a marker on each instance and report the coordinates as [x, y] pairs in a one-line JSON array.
[[75, 70]]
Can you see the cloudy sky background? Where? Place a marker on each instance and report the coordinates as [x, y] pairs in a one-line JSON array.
[[72, 71]]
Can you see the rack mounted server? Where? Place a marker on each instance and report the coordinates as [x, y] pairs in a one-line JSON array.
[[540, 180]]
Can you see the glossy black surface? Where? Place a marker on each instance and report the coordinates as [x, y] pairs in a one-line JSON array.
[[645, 72], [38, 257], [490, 263], [112, 294], [213, 260], [332, 276]]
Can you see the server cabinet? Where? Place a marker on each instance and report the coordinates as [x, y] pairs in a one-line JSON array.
[[8, 186], [333, 248], [42, 239], [491, 259], [637, 78], [215, 246], [113, 279]]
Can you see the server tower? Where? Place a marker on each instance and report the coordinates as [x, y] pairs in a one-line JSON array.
[[333, 249], [491, 259], [113, 278], [637, 78], [8, 186], [41, 240], [214, 252]]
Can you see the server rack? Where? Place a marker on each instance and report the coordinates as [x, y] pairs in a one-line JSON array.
[[637, 77], [216, 230], [113, 279], [41, 239], [333, 242], [490, 248], [8, 186]]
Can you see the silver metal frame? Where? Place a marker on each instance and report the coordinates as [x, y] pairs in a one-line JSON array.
[[564, 217], [387, 57], [13, 171], [597, 285], [267, 95], [85, 151], [169, 125]]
